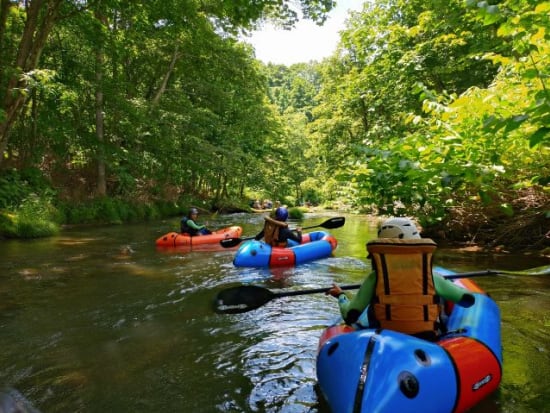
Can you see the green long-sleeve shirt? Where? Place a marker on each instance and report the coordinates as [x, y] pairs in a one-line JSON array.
[[194, 225], [359, 302]]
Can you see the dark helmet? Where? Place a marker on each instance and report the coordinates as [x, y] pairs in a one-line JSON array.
[[193, 211], [281, 214]]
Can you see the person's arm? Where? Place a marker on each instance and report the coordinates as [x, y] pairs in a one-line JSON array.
[[192, 224], [452, 292], [285, 234], [295, 235], [259, 236], [351, 306]]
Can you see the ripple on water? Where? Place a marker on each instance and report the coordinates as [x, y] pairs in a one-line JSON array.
[[280, 364]]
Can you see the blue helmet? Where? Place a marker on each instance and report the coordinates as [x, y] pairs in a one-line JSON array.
[[281, 214]]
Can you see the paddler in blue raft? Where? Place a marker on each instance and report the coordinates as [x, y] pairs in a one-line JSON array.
[[276, 232], [400, 295]]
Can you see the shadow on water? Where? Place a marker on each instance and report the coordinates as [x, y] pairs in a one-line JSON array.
[[98, 320]]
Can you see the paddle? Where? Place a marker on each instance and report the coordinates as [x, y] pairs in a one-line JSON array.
[[249, 297], [544, 270], [245, 298], [335, 222]]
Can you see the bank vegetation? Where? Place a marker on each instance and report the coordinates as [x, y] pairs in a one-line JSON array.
[[117, 111]]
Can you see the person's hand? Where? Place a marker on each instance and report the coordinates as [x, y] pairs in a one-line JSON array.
[[335, 291], [298, 229]]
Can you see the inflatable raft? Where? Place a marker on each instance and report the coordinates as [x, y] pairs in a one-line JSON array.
[[177, 239], [315, 245], [386, 371]]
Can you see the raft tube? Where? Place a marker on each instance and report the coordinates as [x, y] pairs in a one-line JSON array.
[[385, 371], [315, 245], [177, 239]]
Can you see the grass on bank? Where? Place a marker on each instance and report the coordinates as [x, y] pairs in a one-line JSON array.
[[38, 217]]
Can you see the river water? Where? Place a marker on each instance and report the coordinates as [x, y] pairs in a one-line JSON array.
[[87, 327]]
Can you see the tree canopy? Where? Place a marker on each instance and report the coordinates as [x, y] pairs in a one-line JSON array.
[[416, 112]]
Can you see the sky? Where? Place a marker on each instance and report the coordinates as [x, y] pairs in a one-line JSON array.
[[306, 42]]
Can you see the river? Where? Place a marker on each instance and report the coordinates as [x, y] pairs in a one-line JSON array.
[[98, 320]]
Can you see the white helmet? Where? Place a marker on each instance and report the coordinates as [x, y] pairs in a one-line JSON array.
[[402, 228]]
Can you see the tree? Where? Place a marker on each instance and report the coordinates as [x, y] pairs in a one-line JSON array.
[[36, 20], [139, 85]]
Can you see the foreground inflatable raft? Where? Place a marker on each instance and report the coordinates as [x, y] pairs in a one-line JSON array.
[[176, 239], [386, 371], [315, 245]]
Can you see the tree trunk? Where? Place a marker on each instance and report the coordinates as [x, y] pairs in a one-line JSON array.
[[101, 187], [167, 75], [99, 125], [41, 17]]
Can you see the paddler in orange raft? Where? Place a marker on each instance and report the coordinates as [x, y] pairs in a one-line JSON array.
[[190, 227]]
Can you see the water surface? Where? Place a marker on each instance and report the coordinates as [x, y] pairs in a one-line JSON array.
[[87, 327]]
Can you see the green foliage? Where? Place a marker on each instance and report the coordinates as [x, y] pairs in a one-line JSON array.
[[414, 117], [11, 191], [295, 213], [311, 191], [116, 211], [35, 217], [28, 227], [183, 104], [528, 33], [28, 207], [16, 186], [416, 113]]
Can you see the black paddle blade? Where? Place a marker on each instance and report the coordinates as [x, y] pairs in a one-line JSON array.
[[241, 299], [233, 242], [230, 242], [336, 222]]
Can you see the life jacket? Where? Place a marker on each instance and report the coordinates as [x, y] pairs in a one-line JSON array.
[[271, 232], [186, 229], [405, 299]]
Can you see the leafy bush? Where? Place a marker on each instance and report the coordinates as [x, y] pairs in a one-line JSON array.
[[8, 224], [34, 218], [295, 213], [108, 211], [15, 186], [36, 228]]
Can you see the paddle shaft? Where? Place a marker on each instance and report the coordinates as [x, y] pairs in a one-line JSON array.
[[292, 229], [356, 286], [471, 274], [313, 226], [314, 291], [249, 238], [247, 297], [532, 272], [335, 222]]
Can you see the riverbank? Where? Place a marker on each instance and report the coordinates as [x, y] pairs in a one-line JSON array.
[[479, 228], [523, 227]]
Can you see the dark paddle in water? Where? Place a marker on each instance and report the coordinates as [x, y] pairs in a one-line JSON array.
[[249, 297], [245, 298], [335, 222]]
